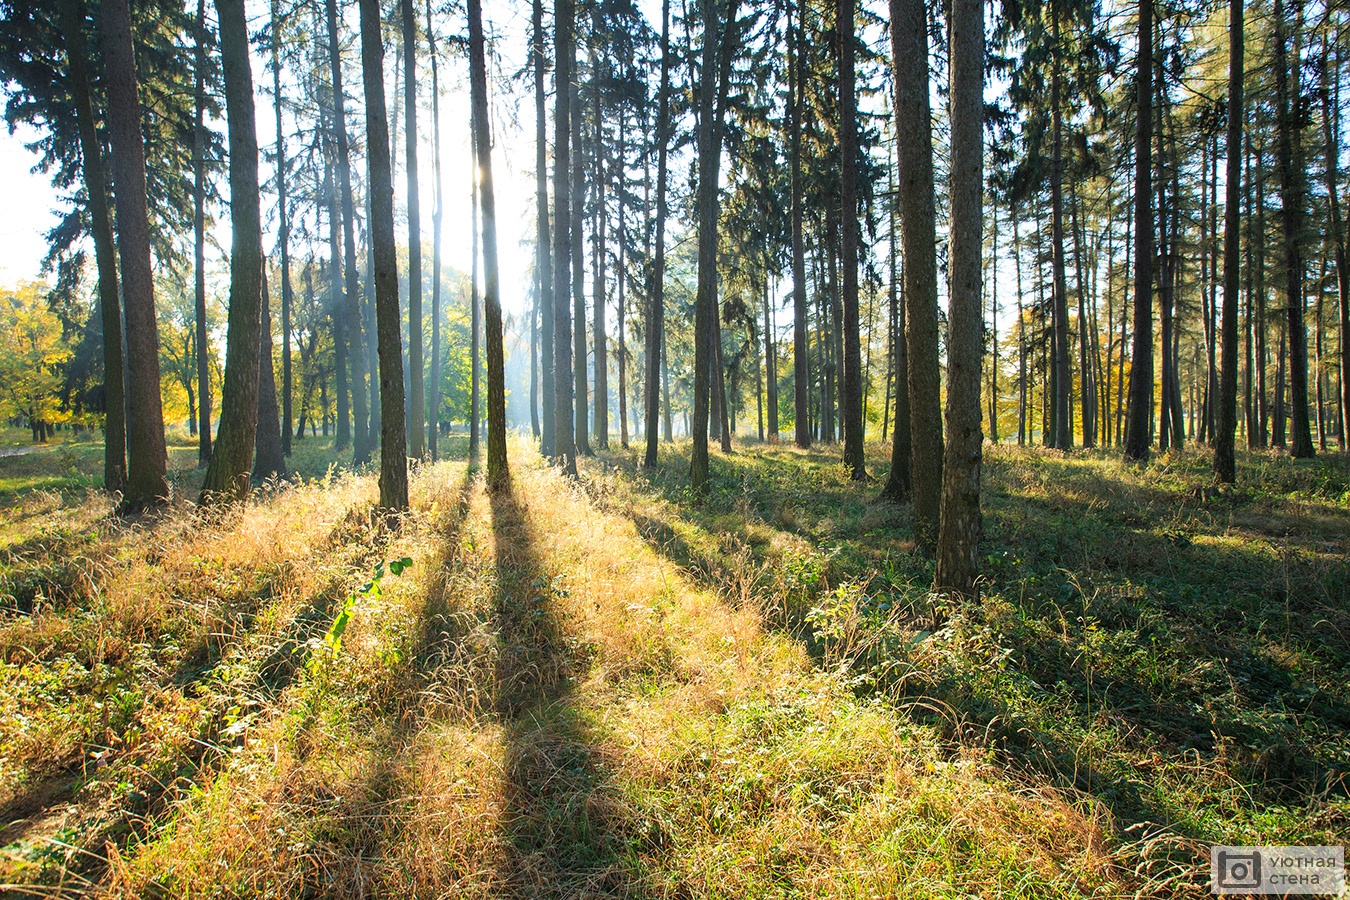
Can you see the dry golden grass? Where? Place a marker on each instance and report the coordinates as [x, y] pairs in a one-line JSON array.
[[542, 705]]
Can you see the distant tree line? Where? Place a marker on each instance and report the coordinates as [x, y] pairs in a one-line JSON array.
[[1055, 265]]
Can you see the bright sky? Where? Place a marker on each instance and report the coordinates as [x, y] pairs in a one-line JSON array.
[[29, 201]]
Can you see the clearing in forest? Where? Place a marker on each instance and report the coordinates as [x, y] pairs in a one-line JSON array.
[[602, 688]]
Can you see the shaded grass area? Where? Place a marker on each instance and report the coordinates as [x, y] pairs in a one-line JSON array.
[[543, 705], [1174, 656]]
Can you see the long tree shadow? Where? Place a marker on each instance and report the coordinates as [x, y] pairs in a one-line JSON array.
[[567, 831]]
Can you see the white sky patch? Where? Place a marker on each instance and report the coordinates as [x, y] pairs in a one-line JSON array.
[[29, 201]]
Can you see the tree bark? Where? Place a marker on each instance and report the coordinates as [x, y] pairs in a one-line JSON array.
[[1262, 356], [547, 423], [147, 458], [351, 303], [1225, 465], [227, 475], [434, 413], [417, 410], [337, 313], [284, 245], [564, 41], [581, 396], [770, 360], [852, 376], [498, 473], [1331, 131], [600, 421], [959, 534], [656, 312], [899, 484], [1087, 395], [993, 326], [1289, 159], [620, 177], [393, 440], [475, 314], [705, 303], [1059, 310], [199, 239], [1137, 438], [269, 461], [96, 190], [909, 37], [800, 363]]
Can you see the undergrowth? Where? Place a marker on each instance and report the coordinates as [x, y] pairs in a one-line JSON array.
[[1174, 656], [603, 688]]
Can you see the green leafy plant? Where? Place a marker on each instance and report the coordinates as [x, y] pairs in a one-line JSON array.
[[332, 641]]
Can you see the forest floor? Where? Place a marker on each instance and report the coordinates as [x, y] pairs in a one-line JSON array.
[[606, 689]]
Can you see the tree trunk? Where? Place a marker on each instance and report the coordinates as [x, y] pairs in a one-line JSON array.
[[434, 413], [656, 313], [534, 347], [547, 423], [284, 246], [351, 306], [337, 313], [1062, 438], [829, 422], [1225, 466], [705, 304], [199, 238], [600, 421], [1262, 357], [96, 190], [1317, 358], [564, 42], [147, 458], [1249, 319], [393, 440], [1211, 323], [898, 483], [581, 389], [622, 276], [1137, 439], [1281, 413], [1290, 162], [1087, 394], [959, 535], [417, 411], [909, 37], [227, 475], [1023, 394], [770, 360], [993, 327], [1124, 337], [475, 316], [498, 473], [1331, 131], [800, 368], [719, 385], [270, 461], [667, 425], [366, 302], [852, 383]]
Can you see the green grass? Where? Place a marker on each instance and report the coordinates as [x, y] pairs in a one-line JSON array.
[[1181, 659], [609, 689]]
